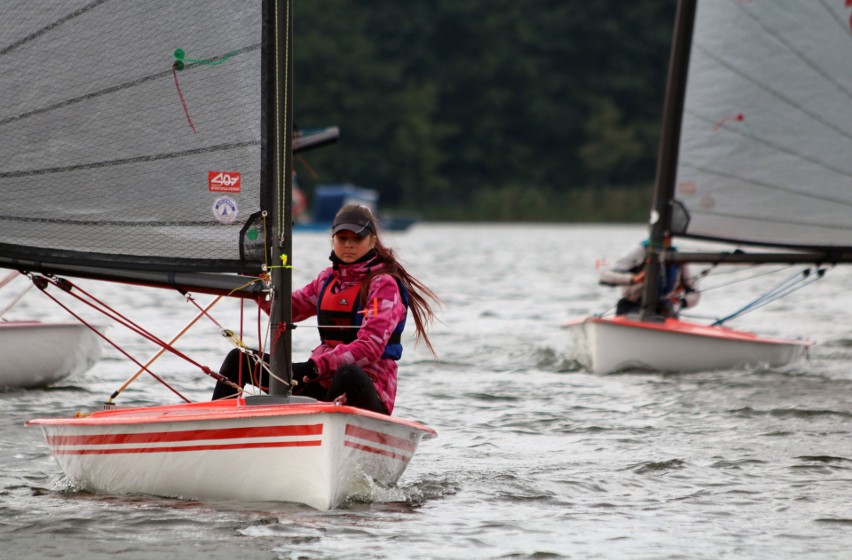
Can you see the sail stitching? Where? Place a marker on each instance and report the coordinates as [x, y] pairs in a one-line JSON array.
[[803, 194], [768, 220], [843, 24], [819, 69], [210, 222], [776, 94], [107, 91], [777, 147], [131, 160], [52, 26]]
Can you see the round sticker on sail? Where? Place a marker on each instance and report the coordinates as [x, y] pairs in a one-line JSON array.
[[225, 209]]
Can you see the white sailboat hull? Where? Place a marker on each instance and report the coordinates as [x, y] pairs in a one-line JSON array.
[[317, 454], [36, 354], [611, 344]]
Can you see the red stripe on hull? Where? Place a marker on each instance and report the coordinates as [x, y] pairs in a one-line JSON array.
[[187, 435], [380, 437], [113, 451], [377, 451]]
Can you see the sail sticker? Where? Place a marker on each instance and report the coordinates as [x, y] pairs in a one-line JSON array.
[[687, 188], [223, 181], [225, 209]]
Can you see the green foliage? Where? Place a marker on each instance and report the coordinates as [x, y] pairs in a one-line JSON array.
[[526, 204], [610, 149], [449, 107]]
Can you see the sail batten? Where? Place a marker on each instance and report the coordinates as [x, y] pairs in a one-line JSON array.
[[127, 161], [50, 26], [165, 74], [835, 198], [768, 143], [765, 138]]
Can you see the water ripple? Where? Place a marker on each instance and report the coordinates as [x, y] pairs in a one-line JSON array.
[[535, 458]]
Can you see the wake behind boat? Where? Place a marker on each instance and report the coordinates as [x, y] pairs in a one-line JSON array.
[[170, 167], [754, 153]]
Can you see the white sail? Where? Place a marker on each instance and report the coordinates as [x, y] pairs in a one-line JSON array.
[[131, 133], [765, 154]]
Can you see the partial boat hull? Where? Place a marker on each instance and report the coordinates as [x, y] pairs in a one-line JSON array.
[[611, 344], [37, 354], [317, 454]]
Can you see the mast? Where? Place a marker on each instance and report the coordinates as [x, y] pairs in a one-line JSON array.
[[664, 184], [281, 244]]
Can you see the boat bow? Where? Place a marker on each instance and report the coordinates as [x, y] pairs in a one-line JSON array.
[[256, 449]]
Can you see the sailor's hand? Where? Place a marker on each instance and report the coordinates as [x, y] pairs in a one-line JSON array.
[[305, 371], [638, 277]]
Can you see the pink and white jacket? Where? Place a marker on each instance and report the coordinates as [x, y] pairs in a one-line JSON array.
[[365, 351]]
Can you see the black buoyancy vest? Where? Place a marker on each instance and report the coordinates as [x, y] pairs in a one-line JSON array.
[[339, 315]]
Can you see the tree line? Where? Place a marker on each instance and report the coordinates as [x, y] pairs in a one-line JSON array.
[[545, 110]]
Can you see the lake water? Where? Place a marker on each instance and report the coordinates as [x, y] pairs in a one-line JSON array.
[[534, 457]]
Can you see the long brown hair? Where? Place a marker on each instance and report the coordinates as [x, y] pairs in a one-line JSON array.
[[418, 293]]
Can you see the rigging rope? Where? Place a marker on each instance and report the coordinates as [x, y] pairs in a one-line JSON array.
[[745, 279], [162, 351], [786, 287], [42, 282]]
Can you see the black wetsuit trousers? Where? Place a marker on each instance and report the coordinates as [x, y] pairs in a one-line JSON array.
[[349, 379]]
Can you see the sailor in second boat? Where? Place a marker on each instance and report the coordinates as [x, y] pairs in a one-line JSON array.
[[676, 288], [361, 303]]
